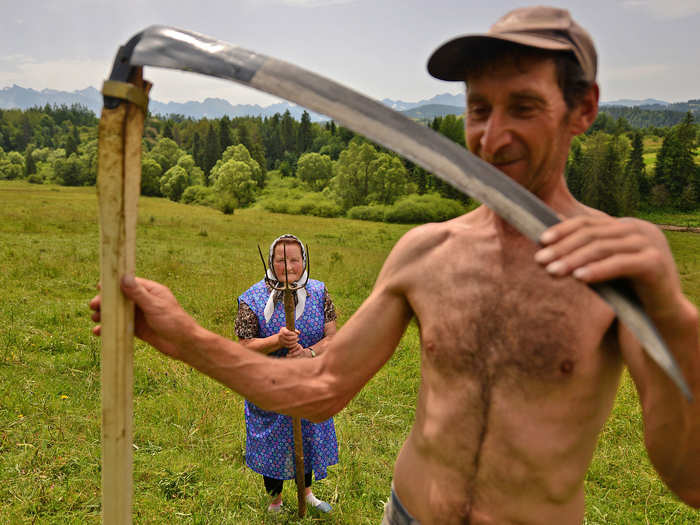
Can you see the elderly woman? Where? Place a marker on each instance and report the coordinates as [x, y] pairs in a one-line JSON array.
[[260, 326]]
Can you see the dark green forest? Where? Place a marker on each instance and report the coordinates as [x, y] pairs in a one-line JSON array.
[[622, 165]]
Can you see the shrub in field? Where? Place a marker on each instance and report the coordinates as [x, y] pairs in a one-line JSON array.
[[200, 195], [72, 171], [304, 206], [176, 179], [275, 206], [35, 178], [150, 177], [315, 170], [374, 212], [226, 203], [166, 153], [416, 209], [327, 209], [236, 174], [284, 195], [11, 166], [173, 183]]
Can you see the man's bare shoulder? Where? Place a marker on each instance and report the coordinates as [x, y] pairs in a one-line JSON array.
[[422, 240], [421, 248]]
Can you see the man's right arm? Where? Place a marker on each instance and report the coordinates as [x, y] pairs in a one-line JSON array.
[[312, 388]]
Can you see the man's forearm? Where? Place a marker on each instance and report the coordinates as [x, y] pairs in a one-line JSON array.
[[672, 423], [297, 387]]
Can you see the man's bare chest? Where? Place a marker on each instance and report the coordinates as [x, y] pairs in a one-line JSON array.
[[506, 318]]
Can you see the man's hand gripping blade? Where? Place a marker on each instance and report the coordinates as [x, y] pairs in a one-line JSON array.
[[173, 48]]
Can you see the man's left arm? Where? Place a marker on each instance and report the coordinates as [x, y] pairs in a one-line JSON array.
[[600, 248]]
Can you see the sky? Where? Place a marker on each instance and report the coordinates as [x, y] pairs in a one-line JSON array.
[[646, 48]]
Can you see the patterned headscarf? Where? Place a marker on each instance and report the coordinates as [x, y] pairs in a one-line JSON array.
[[300, 295]]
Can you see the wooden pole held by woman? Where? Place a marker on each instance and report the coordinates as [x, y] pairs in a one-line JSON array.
[[288, 298]]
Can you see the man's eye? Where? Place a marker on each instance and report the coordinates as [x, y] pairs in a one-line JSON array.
[[524, 109], [478, 111]]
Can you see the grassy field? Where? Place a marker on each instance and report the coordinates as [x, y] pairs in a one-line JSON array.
[[189, 436]]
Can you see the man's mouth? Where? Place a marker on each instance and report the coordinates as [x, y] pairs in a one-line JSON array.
[[498, 162]]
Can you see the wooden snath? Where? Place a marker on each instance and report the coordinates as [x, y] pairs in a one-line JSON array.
[[118, 188]]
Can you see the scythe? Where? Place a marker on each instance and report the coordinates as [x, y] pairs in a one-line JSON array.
[[121, 127]]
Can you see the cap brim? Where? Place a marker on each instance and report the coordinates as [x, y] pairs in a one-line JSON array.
[[451, 60]]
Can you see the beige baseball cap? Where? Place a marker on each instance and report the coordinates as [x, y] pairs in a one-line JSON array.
[[541, 27]]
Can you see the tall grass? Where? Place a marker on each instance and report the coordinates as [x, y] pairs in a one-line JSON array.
[[189, 435]]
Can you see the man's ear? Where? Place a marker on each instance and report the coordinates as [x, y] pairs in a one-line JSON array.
[[586, 111]]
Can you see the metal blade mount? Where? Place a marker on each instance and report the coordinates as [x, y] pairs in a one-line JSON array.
[[173, 48]]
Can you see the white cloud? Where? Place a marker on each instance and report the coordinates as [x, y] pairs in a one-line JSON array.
[[666, 9]]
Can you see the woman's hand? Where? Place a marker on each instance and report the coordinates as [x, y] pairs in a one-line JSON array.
[[298, 351], [288, 338]]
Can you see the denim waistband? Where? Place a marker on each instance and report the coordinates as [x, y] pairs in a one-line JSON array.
[[396, 514]]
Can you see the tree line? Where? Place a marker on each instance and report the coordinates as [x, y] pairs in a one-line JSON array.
[[651, 116], [293, 166]]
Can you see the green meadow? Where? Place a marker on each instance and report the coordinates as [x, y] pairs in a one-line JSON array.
[[189, 434]]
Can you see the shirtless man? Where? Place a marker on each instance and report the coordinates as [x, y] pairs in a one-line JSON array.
[[520, 359]]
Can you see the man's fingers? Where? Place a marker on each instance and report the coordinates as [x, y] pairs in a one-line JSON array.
[[94, 303], [563, 262], [566, 227], [621, 264], [135, 288]]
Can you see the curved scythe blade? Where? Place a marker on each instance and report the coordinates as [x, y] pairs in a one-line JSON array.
[[168, 47]]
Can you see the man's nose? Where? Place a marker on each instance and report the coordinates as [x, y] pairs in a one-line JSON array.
[[496, 135]]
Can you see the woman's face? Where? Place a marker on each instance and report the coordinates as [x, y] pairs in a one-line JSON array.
[[295, 263]]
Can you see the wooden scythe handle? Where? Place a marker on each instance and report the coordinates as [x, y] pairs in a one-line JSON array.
[[296, 421], [118, 188]]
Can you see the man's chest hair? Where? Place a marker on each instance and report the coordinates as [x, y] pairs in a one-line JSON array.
[[508, 318]]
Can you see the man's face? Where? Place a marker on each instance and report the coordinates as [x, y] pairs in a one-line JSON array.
[[295, 263], [517, 120]]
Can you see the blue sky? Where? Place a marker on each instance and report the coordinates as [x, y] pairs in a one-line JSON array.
[[647, 48]]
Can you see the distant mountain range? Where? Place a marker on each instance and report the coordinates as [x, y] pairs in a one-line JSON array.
[[631, 103], [439, 105], [24, 98]]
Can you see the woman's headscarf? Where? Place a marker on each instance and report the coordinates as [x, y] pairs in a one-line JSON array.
[[300, 295]]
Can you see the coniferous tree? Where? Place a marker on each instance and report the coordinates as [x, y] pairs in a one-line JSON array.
[[635, 167], [29, 164], [225, 135], [168, 130], [575, 170], [609, 180], [272, 141], [288, 134], [197, 150], [72, 142], [675, 170], [212, 150], [453, 128], [304, 135]]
